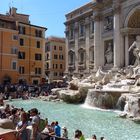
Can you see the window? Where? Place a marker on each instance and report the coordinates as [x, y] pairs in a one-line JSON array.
[[2, 24], [55, 56], [21, 42], [37, 70], [47, 48], [71, 33], [60, 48], [81, 29], [21, 29], [82, 57], [61, 74], [21, 70], [54, 47], [14, 50], [14, 65], [55, 73], [47, 65], [47, 56], [71, 58], [61, 57], [61, 66], [56, 66], [15, 37], [21, 55], [92, 27], [38, 33], [38, 57], [38, 44]]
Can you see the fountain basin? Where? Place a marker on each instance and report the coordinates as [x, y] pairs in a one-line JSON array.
[[104, 98]]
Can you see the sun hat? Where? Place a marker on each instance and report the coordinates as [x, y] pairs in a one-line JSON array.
[[64, 127]]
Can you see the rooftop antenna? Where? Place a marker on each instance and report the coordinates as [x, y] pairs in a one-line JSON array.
[[10, 6], [11, 3]]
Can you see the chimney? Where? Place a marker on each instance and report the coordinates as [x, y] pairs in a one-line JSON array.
[[13, 11]]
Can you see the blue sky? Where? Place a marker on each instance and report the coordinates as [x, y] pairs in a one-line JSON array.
[[47, 13]]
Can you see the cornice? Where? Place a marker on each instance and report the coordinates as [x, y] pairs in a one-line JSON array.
[[99, 6], [79, 17], [97, 16], [8, 30], [126, 31]]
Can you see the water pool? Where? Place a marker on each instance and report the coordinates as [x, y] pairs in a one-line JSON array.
[[90, 121]]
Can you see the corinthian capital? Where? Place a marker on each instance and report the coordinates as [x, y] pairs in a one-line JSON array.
[[116, 6], [87, 21], [97, 16]]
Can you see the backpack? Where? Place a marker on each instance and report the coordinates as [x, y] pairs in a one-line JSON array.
[[42, 125]]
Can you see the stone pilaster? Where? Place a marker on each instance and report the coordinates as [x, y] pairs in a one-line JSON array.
[[97, 31], [87, 35], [126, 51], [117, 40], [76, 46]]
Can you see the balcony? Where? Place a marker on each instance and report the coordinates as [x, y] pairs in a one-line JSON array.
[[91, 65], [81, 65], [81, 37], [71, 66]]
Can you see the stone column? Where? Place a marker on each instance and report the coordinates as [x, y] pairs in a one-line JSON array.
[[126, 51], [97, 29], [117, 40], [76, 46], [87, 45]]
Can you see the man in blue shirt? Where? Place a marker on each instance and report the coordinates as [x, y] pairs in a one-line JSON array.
[[57, 129]]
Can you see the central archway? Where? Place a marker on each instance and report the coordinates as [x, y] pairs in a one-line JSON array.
[[134, 20], [132, 24]]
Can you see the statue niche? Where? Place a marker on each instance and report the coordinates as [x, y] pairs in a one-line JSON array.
[[109, 53]]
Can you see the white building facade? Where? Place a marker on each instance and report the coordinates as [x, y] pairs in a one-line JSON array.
[[100, 34]]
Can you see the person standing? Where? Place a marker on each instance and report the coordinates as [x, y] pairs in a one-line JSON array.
[[57, 129], [35, 134], [22, 132], [65, 133]]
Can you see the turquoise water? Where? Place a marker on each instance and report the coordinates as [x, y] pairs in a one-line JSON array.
[[90, 121]]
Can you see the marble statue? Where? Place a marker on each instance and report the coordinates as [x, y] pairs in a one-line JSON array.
[[109, 54], [136, 50]]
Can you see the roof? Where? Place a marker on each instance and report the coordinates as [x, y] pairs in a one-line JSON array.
[[57, 39], [33, 25]]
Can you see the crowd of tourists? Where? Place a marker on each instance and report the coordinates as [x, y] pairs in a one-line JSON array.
[[23, 90], [30, 126]]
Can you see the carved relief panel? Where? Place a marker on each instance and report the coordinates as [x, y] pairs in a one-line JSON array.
[[108, 23]]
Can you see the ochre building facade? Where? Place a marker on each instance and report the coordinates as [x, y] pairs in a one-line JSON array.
[[22, 47], [55, 58]]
